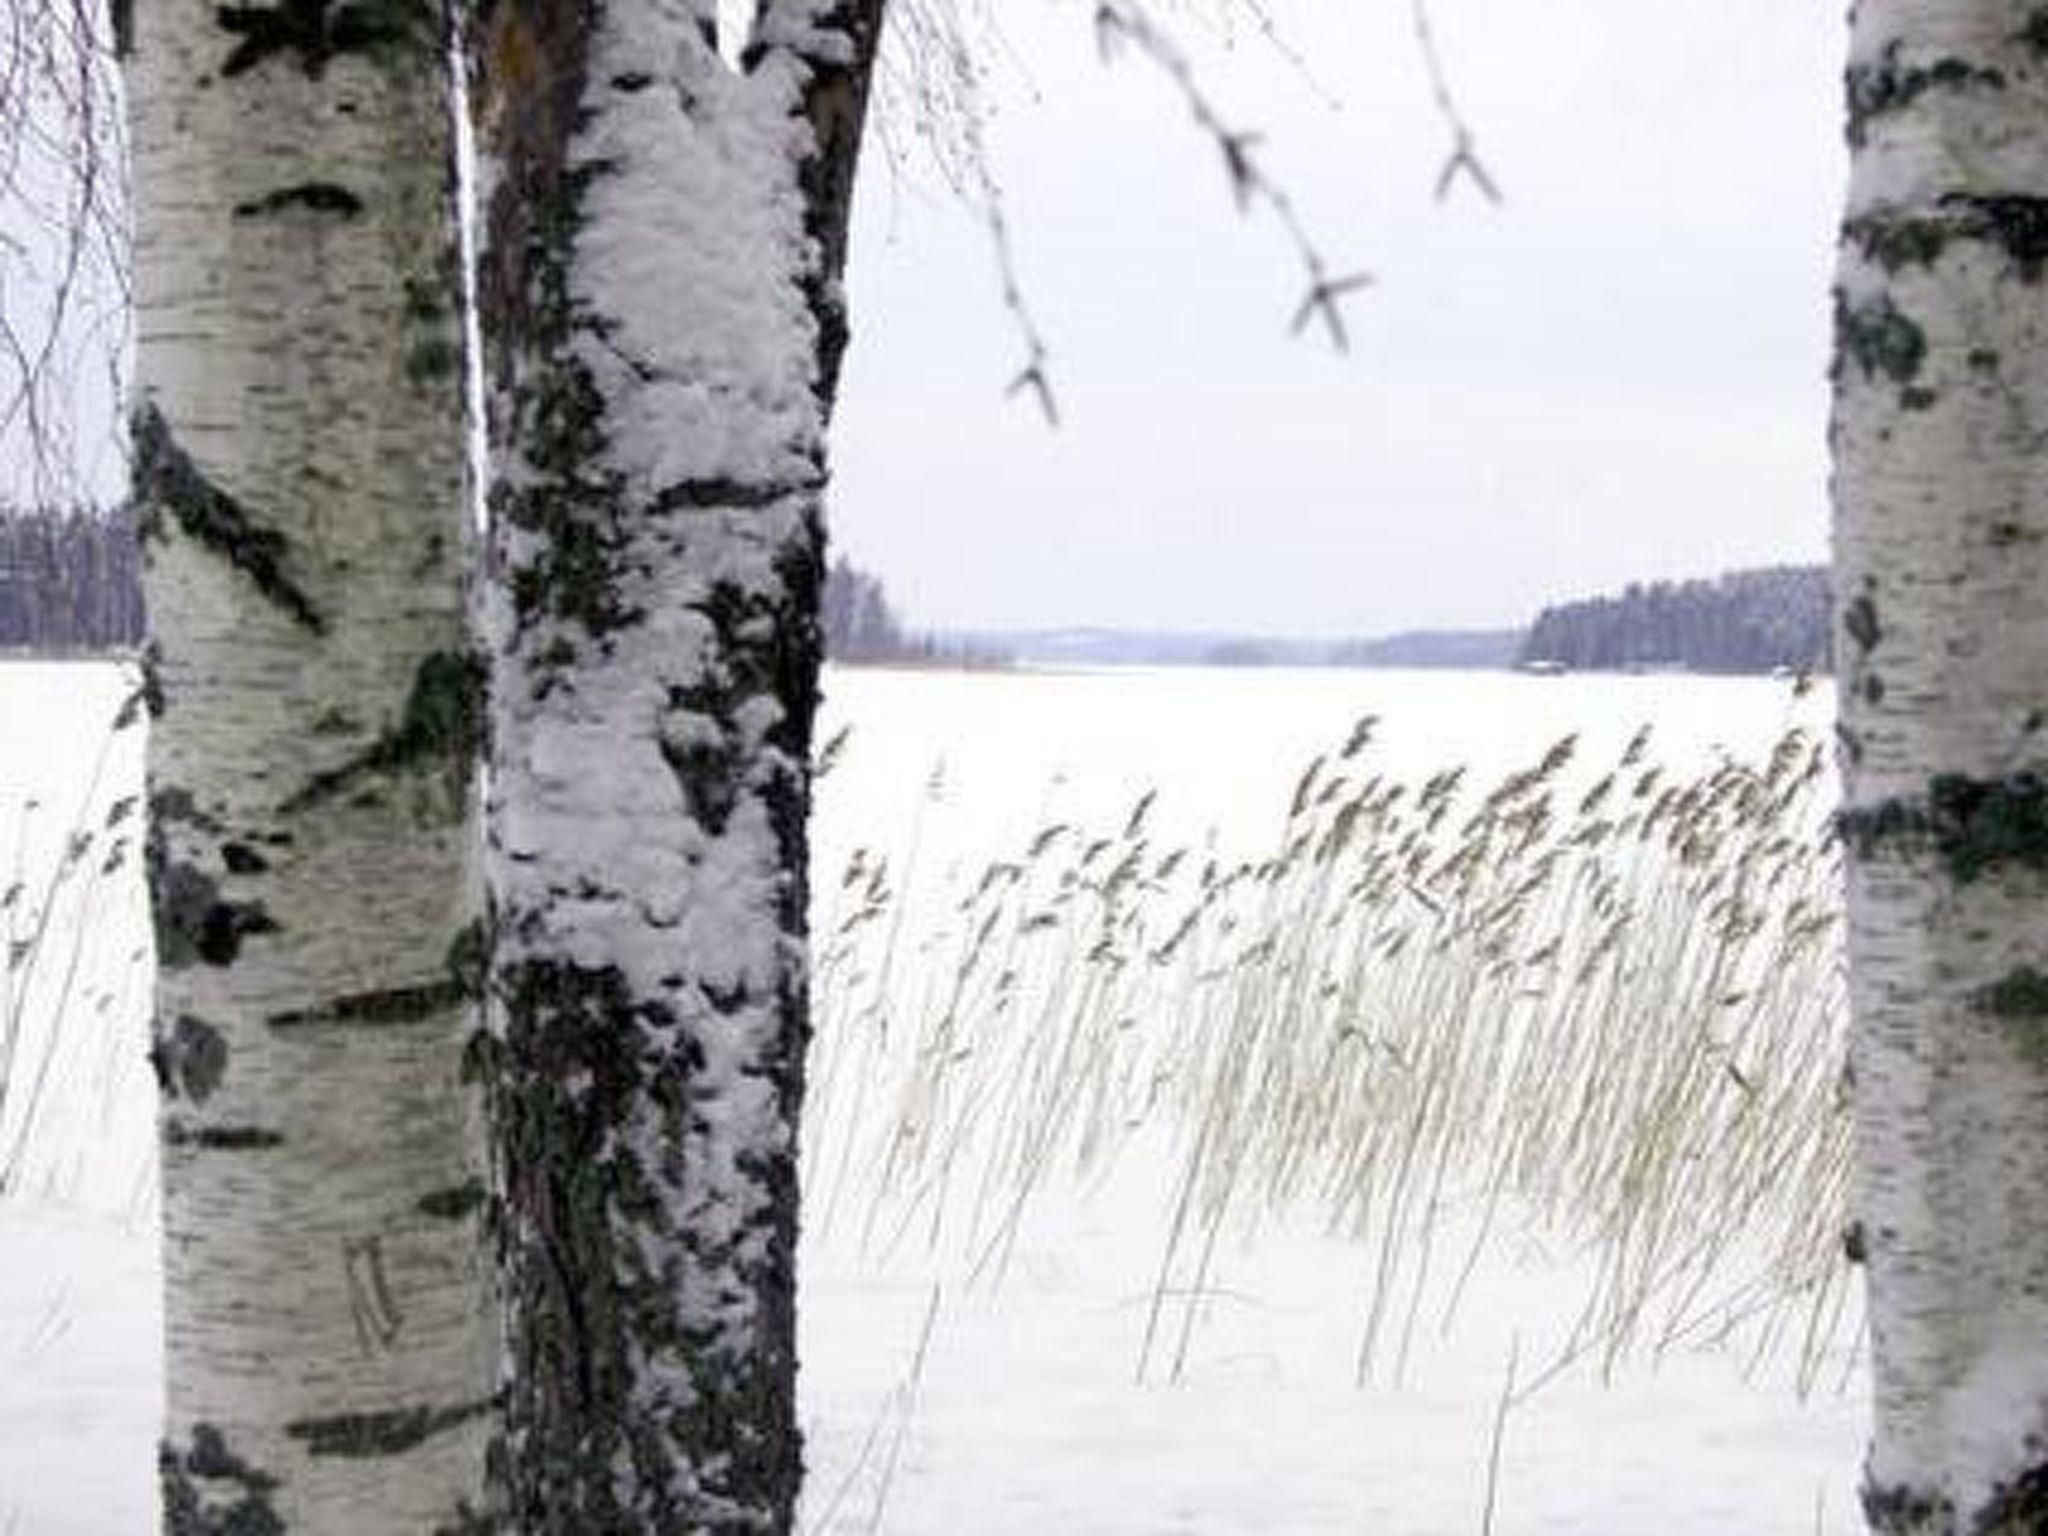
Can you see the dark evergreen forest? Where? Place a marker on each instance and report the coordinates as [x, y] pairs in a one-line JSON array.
[[69, 581], [1745, 621]]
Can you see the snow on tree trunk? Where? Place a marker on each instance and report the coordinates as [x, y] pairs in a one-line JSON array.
[[660, 302], [1941, 491], [299, 474]]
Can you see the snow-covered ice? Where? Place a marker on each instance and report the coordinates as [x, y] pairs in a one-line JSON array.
[[939, 1402]]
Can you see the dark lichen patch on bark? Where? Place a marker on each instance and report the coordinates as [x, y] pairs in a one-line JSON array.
[[1892, 85], [2017, 224], [468, 962], [190, 1058], [1972, 825], [1896, 240], [441, 724], [377, 1009], [455, 1203], [392, 1432], [1899, 1510], [2019, 1507], [209, 1491], [2022, 993], [593, 1256], [431, 359], [194, 922], [221, 1138], [1879, 339], [2034, 30], [313, 33], [167, 481], [323, 197]]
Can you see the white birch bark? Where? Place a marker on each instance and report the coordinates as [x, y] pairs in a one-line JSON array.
[[662, 327], [1941, 559], [299, 468]]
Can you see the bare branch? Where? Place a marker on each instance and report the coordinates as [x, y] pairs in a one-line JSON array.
[[1463, 159], [63, 233], [1125, 25]]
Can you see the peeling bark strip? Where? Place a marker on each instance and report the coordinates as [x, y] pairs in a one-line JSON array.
[[300, 461], [167, 481], [663, 319], [1940, 384]]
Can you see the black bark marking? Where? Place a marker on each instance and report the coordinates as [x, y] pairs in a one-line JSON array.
[[167, 480], [1891, 85], [1859, 622], [194, 922], [441, 724], [1873, 689], [2022, 993], [454, 1203], [391, 1432], [2034, 30], [209, 1491], [190, 1058], [1879, 338], [316, 31], [378, 1009], [741, 495], [1972, 825], [121, 15], [221, 1138], [313, 196], [1855, 1243], [241, 859]]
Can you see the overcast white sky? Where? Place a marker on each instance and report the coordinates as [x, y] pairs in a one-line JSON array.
[[1617, 374]]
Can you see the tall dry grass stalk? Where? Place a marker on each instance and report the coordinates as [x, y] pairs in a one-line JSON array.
[[1601, 1007], [72, 979]]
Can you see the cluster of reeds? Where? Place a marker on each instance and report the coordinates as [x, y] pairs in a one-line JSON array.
[[1600, 1007], [73, 977]]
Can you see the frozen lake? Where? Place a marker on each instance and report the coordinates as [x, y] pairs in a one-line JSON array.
[[938, 1398]]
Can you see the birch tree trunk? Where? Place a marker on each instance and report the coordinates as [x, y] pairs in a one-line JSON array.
[[1941, 558], [663, 325], [299, 471]]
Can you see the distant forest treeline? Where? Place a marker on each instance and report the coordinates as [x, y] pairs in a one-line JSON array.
[[69, 581], [862, 627], [1745, 621]]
